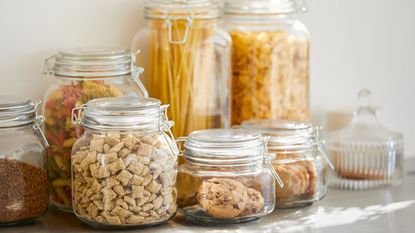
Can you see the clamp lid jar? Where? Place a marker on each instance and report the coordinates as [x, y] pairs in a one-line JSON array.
[[366, 154], [81, 74], [124, 166], [227, 177], [23, 173], [300, 160]]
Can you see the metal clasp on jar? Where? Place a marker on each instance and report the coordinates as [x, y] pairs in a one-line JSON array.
[[37, 125], [136, 72], [320, 147], [165, 126], [169, 23], [268, 158]]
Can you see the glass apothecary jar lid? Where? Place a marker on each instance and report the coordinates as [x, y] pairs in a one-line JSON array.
[[365, 153], [265, 7], [123, 113]]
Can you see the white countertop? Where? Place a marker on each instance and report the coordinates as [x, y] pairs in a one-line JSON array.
[[382, 210]]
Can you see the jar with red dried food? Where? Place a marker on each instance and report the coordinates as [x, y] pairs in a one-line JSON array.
[[80, 75], [23, 174]]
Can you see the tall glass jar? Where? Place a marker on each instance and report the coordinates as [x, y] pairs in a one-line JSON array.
[[187, 61], [300, 160], [80, 75], [23, 174], [270, 60], [227, 175], [124, 166]]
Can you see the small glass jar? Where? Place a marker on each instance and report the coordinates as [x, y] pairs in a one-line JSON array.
[[365, 153], [186, 56], [270, 60], [23, 175], [80, 75], [227, 177], [124, 167], [300, 161]]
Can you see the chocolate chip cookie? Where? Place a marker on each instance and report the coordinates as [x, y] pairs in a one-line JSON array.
[[223, 197]]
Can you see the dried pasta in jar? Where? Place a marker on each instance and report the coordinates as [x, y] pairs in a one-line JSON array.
[[270, 60]]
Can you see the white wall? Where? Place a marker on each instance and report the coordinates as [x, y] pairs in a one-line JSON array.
[[355, 44]]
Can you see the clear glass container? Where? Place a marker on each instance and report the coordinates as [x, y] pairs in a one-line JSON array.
[[300, 160], [23, 174], [270, 60], [186, 56], [124, 166], [365, 154], [80, 75], [227, 177]]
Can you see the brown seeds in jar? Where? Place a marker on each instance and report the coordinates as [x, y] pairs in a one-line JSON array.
[[23, 186]]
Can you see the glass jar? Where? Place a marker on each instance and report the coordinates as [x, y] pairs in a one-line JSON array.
[[270, 60], [365, 153], [227, 177], [187, 61], [124, 167], [23, 174], [300, 161], [81, 75]]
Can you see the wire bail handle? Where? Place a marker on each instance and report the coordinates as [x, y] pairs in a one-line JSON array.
[[165, 126], [46, 66], [136, 72], [268, 158], [188, 19], [321, 145], [76, 116], [37, 125]]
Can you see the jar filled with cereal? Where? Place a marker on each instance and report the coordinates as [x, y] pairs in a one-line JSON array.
[[23, 174], [270, 60], [227, 175], [299, 160], [124, 166], [80, 75]]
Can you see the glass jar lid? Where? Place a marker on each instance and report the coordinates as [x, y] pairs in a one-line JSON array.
[[90, 62], [263, 7], [284, 135], [225, 147], [165, 9], [123, 113], [365, 131], [15, 111]]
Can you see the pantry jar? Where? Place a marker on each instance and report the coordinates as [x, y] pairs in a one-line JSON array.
[[186, 56], [124, 166], [270, 60], [227, 177], [300, 160], [80, 75], [23, 174]]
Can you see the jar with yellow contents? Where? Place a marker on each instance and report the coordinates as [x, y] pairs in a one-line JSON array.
[[270, 60]]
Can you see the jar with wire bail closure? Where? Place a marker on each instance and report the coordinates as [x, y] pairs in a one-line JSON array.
[[23, 174], [186, 56], [300, 160], [228, 176], [124, 166], [81, 75]]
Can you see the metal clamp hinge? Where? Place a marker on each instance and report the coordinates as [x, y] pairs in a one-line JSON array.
[[76, 116]]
